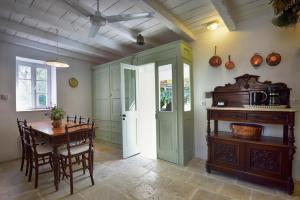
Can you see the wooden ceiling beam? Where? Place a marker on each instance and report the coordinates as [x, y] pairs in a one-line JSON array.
[[222, 8], [166, 17], [47, 48]]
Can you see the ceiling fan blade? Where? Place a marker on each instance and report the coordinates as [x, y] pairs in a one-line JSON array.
[[79, 8], [127, 17], [93, 30]]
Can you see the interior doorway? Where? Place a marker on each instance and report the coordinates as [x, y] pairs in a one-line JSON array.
[[146, 107], [138, 97]]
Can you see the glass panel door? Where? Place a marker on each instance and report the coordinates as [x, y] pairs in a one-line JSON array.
[[129, 113]]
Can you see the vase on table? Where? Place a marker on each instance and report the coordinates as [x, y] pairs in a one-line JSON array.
[[56, 123]]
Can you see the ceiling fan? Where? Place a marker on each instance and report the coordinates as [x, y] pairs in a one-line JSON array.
[[97, 19]]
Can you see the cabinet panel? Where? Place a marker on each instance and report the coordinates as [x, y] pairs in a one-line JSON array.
[[101, 83], [116, 109], [226, 153], [266, 160], [115, 80], [104, 125], [116, 138], [102, 109], [116, 127]]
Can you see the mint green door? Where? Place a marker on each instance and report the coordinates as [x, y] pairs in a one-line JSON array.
[[166, 110], [129, 77]]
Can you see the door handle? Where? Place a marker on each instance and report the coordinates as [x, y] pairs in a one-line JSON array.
[[124, 115]]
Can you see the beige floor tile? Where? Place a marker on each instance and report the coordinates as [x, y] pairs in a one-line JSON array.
[[206, 182], [206, 195], [164, 195], [122, 182], [235, 192], [31, 195], [180, 189], [177, 173], [155, 180], [104, 192], [143, 191], [256, 195]]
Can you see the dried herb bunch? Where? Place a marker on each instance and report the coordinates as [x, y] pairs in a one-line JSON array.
[[287, 12]]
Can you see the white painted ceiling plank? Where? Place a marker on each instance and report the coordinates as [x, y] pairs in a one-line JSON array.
[[110, 45], [166, 17], [64, 42], [221, 7], [47, 48]]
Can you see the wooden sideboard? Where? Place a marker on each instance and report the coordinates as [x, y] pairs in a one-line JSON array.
[[266, 161]]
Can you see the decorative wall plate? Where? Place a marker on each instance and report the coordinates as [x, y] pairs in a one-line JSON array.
[[73, 82]]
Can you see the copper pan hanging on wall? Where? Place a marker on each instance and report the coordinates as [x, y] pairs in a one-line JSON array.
[[256, 60], [215, 60], [229, 64], [273, 59]]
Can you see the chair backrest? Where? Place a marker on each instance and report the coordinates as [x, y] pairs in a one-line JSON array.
[[29, 140], [84, 120], [79, 135], [72, 118], [21, 130]]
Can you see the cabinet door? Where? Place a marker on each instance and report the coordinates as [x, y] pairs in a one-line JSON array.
[[101, 94], [267, 160], [226, 153]]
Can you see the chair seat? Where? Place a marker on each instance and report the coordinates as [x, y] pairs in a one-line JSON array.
[[75, 150], [43, 149]]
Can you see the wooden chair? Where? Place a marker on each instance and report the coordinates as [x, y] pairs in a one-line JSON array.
[[79, 140], [24, 157], [84, 120], [38, 154], [72, 118]]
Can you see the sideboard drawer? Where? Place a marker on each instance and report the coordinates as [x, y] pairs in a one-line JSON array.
[[228, 115], [274, 118]]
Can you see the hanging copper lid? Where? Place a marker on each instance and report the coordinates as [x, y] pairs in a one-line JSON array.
[[273, 59], [256, 60]]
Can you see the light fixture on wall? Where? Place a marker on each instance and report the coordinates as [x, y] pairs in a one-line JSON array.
[[140, 40], [57, 62], [213, 26]]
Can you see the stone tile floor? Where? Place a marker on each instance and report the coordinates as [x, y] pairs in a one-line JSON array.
[[136, 178]]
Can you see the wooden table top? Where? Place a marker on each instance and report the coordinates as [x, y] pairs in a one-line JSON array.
[[47, 128]]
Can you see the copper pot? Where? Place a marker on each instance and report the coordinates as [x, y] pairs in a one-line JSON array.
[[273, 59], [229, 64], [246, 131], [215, 61], [256, 60]]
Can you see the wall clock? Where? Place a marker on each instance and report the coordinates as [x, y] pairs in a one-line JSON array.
[[73, 82]]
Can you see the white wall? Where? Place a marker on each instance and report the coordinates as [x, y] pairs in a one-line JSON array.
[[253, 36], [74, 101]]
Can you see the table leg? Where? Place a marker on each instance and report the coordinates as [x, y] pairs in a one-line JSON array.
[[56, 167]]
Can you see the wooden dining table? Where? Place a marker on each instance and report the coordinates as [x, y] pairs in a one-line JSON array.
[[56, 138]]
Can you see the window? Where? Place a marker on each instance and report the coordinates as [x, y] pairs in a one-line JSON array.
[[35, 85], [165, 88], [187, 87]]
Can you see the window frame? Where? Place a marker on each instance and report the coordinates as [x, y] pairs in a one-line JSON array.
[[34, 66]]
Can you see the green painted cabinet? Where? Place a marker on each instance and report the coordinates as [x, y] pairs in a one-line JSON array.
[[174, 100]]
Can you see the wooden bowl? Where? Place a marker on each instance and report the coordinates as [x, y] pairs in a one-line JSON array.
[[246, 131]]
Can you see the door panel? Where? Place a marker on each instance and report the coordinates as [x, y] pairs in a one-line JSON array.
[[129, 77], [116, 109], [167, 139]]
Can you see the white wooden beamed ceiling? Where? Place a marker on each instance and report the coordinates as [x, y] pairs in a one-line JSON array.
[[34, 22]]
